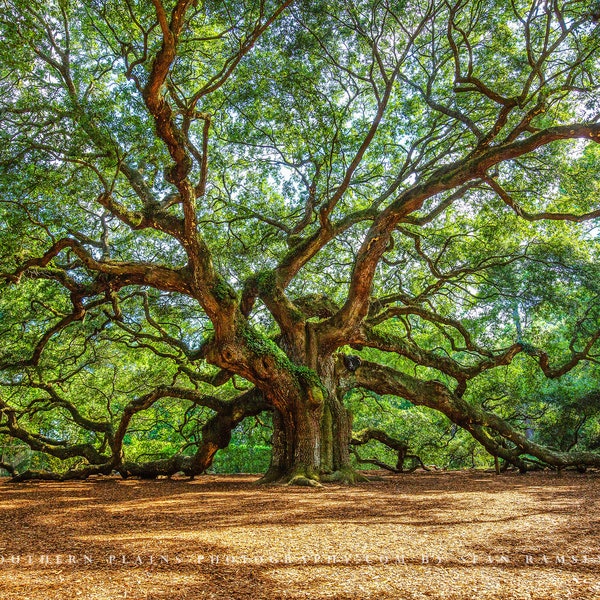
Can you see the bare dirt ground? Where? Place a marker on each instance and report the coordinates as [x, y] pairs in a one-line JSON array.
[[428, 535]]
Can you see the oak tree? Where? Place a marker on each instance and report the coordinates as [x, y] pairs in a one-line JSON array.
[[262, 206]]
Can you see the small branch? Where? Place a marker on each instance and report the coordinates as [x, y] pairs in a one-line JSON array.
[[549, 216]]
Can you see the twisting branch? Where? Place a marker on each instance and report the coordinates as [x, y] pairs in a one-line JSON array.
[[399, 446], [232, 62], [478, 422], [49, 446], [121, 273], [405, 346], [542, 216], [334, 332]]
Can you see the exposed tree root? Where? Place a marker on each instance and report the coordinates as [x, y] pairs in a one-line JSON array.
[[83, 473], [302, 480], [345, 476], [272, 476], [277, 476], [7, 467]]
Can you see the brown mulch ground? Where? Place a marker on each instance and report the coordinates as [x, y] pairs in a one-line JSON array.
[[422, 535]]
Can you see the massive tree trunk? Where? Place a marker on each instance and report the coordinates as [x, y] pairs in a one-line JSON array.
[[296, 444], [311, 435], [311, 426], [297, 439]]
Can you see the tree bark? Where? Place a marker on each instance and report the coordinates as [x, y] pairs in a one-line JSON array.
[[280, 461], [297, 444], [336, 429]]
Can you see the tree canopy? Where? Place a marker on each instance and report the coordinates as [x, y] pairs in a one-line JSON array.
[[287, 214]]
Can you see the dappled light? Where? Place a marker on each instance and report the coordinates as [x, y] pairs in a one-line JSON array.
[[409, 536]]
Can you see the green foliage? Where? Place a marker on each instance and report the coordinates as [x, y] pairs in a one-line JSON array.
[[266, 282], [242, 459]]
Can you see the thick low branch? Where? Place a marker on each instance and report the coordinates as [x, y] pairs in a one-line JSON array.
[[123, 273], [374, 461], [474, 419], [404, 346], [7, 467], [399, 446], [216, 434], [228, 414], [71, 474], [58, 449]]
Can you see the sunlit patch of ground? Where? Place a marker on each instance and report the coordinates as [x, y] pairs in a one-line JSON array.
[[428, 535]]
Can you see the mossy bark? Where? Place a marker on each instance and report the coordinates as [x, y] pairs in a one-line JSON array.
[[296, 451], [327, 440], [311, 435], [336, 424]]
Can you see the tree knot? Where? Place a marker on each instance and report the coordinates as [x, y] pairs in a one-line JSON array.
[[352, 362]]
